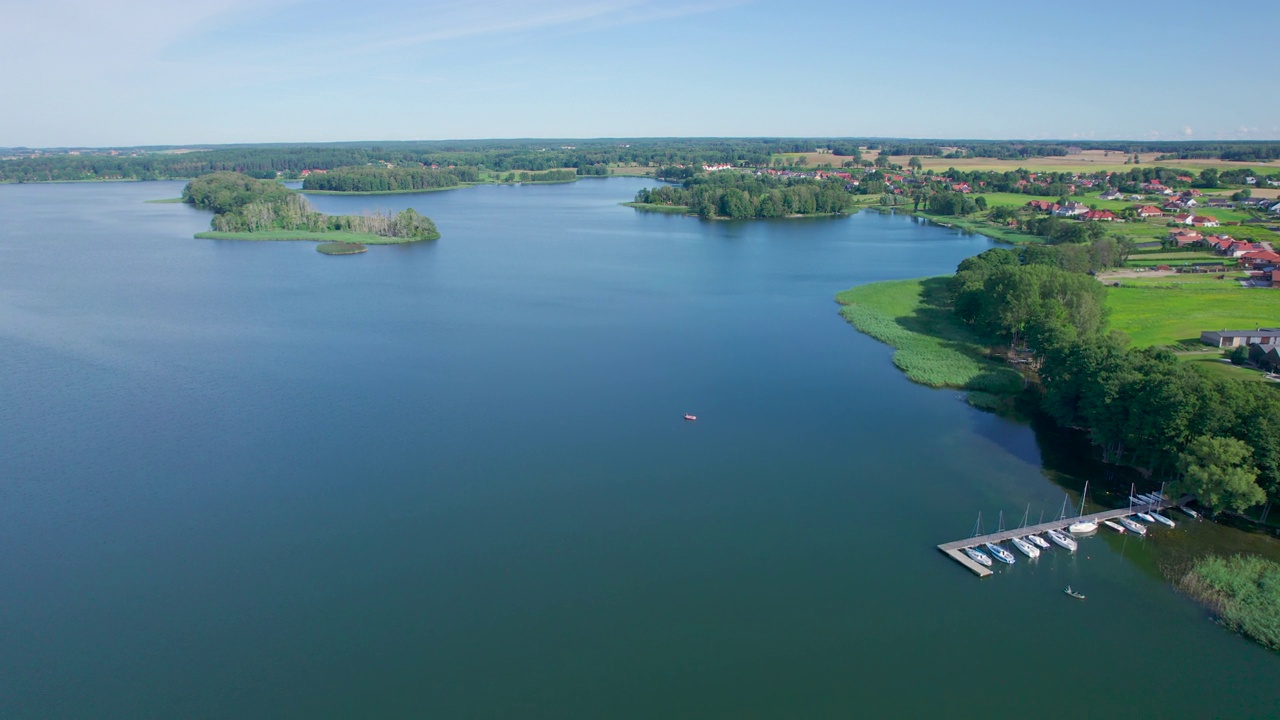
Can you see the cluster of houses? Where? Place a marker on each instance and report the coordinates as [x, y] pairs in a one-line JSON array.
[[1263, 344]]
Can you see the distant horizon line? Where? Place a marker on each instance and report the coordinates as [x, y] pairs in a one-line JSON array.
[[775, 138]]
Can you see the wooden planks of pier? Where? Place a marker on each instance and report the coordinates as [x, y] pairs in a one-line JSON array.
[[955, 550]]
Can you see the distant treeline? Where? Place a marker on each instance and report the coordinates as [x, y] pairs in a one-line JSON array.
[[244, 204], [742, 195], [586, 157], [374, 178], [1217, 438]]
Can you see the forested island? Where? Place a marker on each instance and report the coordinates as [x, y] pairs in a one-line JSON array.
[[738, 195], [246, 208], [381, 179]]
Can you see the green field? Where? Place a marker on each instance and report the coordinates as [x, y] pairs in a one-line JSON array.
[[933, 347], [1169, 315], [334, 236]]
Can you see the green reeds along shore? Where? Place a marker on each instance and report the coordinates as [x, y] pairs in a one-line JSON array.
[[933, 347], [341, 248], [1243, 590]]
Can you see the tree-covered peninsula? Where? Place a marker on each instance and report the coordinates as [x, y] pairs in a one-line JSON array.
[[249, 209], [740, 195]]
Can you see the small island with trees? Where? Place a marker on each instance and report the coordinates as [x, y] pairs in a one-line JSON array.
[[249, 209]]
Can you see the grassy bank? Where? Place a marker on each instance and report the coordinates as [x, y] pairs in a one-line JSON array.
[[1243, 590], [341, 248], [933, 347], [334, 236], [163, 201], [650, 207]]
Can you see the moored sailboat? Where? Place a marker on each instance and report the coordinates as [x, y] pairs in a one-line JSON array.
[[1000, 553], [1062, 540], [1082, 526], [1113, 526], [978, 556], [1132, 526], [1026, 548]]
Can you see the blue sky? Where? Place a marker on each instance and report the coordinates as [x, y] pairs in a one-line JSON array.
[[140, 72]]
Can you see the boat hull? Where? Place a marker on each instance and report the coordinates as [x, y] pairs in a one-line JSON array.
[[1113, 526]]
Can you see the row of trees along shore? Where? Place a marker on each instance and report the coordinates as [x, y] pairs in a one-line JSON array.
[[244, 204], [742, 195], [1215, 438], [374, 178]]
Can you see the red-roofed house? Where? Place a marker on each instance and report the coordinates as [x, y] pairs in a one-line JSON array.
[[1205, 221], [1102, 215], [1149, 211], [1184, 218], [1186, 237], [1260, 258]]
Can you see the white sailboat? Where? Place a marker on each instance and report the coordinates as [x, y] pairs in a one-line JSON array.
[[1161, 518], [1000, 553], [1189, 512], [1030, 549], [1026, 548], [1132, 526], [1039, 542], [977, 556], [1065, 541], [1114, 526], [1082, 526]]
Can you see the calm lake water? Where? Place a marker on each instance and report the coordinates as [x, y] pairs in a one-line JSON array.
[[451, 480]]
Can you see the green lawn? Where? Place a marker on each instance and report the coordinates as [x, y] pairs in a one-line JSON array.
[[335, 236], [1168, 315], [933, 346], [1212, 363]]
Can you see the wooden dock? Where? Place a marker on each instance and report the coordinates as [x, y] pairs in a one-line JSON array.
[[955, 550]]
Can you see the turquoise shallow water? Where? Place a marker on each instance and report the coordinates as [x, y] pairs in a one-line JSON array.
[[452, 480]]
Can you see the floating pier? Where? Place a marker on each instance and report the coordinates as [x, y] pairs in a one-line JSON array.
[[955, 550]]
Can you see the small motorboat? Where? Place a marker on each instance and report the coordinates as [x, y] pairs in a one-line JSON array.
[[1161, 519], [1113, 526], [1132, 526], [1073, 593], [1065, 541], [978, 556], [1039, 542], [1188, 511], [1026, 548], [1001, 554], [1145, 517], [689, 417]]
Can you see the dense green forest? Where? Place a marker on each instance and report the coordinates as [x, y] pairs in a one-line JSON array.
[[244, 204], [377, 178], [1216, 438], [587, 157], [741, 195]]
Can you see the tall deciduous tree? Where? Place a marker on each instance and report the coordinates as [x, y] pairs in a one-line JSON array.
[[1219, 471]]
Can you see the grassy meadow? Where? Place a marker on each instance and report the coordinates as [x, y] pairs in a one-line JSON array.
[[932, 346], [1165, 315]]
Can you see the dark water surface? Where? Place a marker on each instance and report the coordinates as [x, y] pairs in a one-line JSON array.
[[451, 480]]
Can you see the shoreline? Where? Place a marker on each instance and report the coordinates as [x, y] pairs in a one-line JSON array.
[[304, 235]]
